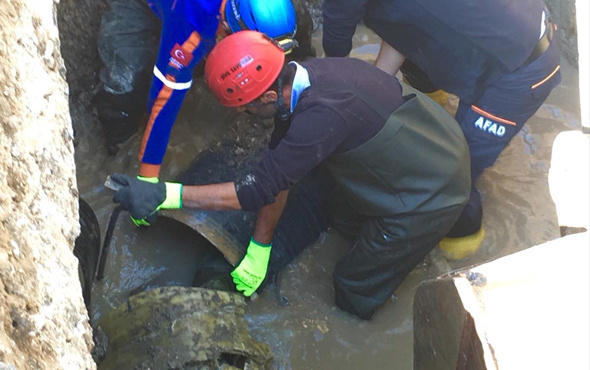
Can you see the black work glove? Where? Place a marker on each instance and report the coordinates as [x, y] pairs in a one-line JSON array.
[[142, 199]]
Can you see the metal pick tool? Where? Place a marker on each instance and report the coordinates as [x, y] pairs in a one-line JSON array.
[[109, 183]]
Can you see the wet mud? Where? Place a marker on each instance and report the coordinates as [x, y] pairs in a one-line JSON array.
[[311, 333]]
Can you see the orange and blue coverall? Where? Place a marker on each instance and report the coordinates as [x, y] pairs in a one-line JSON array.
[[189, 29]]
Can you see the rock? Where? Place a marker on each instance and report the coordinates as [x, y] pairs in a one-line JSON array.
[[5, 366], [39, 288], [563, 13]]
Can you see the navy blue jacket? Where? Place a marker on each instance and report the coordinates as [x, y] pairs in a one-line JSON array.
[[462, 45]]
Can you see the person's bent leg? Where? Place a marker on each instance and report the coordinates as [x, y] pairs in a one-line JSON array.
[[466, 236], [470, 220], [305, 29], [490, 122], [342, 217], [495, 118], [417, 78], [384, 253], [391, 61], [128, 46]]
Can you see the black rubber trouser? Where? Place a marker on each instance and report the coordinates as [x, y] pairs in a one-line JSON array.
[[128, 46], [417, 78], [383, 254]]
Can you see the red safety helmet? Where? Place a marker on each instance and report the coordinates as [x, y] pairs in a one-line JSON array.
[[242, 66]]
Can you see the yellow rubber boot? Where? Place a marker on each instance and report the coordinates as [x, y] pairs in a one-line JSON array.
[[439, 96], [462, 247]]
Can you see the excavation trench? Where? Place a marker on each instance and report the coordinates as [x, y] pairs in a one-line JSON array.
[[302, 327]]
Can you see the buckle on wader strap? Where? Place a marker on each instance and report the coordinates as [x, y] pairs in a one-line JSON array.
[[543, 42]]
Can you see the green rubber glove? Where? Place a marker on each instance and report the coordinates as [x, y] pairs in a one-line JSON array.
[[143, 197], [251, 272]]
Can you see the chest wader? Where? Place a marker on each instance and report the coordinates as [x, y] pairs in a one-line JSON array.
[[406, 186]]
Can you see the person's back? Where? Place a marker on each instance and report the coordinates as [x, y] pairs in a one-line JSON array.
[[350, 110], [461, 45]]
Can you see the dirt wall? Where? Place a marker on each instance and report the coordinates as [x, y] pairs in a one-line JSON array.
[[79, 23], [43, 322], [563, 13]]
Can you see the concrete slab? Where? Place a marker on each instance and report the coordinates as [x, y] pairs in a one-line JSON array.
[[528, 310]]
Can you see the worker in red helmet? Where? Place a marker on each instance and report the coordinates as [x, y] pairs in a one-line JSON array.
[[399, 165]]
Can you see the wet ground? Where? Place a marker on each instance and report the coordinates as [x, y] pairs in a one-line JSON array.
[[311, 333]]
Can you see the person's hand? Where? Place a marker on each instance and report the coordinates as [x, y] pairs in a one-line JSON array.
[[150, 219], [144, 198], [250, 273]]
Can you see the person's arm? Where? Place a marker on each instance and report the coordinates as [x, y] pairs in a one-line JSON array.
[[223, 196], [389, 59], [143, 199], [219, 197], [306, 144], [340, 21], [252, 269], [268, 217], [180, 51]]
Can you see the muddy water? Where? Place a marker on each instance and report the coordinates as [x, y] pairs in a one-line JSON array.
[[311, 333]]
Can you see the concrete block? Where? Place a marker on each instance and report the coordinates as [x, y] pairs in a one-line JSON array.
[[529, 310]]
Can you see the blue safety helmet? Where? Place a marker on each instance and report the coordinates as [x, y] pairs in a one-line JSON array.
[[274, 18]]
